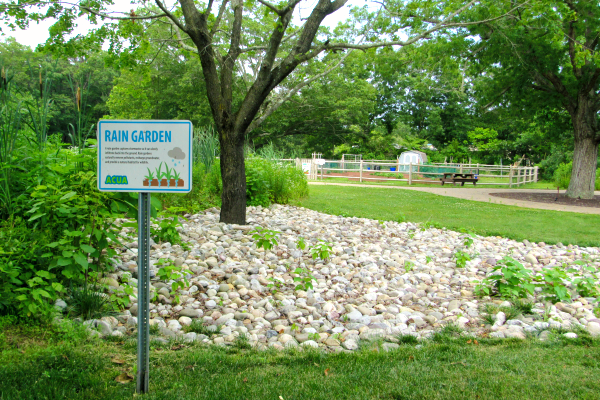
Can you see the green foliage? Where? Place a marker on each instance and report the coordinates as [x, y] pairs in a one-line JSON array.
[[265, 238], [409, 266], [271, 181], [461, 258], [508, 279], [304, 279], [167, 223], [395, 175], [198, 327], [552, 281], [205, 147], [169, 272], [321, 250], [524, 307], [562, 176], [88, 302], [58, 228]]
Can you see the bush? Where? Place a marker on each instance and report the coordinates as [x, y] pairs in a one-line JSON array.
[[272, 181], [58, 227], [562, 176]]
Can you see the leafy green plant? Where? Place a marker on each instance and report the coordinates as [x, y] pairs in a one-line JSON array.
[[167, 227], [586, 286], [461, 258], [401, 218], [168, 271], [275, 284], [468, 241], [321, 250], [301, 243], [304, 279], [508, 279], [428, 259], [552, 282], [264, 238], [409, 266]]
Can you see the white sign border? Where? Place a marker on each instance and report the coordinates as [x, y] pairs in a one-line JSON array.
[[146, 188]]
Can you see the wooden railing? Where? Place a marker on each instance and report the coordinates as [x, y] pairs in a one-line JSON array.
[[362, 171]]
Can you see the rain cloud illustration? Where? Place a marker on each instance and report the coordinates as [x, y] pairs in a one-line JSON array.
[[177, 154]]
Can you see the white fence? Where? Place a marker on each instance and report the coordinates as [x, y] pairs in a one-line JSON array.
[[392, 170]]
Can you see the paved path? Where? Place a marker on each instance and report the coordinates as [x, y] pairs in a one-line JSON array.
[[482, 194]]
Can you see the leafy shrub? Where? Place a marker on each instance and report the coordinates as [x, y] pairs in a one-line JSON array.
[[58, 229], [508, 279], [272, 181], [562, 176]]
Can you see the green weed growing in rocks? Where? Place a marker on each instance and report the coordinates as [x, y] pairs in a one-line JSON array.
[[167, 224], [304, 279], [509, 279], [198, 326], [168, 271], [525, 307], [409, 266], [321, 250], [88, 302], [461, 258]]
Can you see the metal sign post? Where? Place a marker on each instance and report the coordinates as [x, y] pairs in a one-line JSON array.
[[143, 348], [144, 157]]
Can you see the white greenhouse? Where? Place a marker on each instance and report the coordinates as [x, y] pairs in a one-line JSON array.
[[412, 156]]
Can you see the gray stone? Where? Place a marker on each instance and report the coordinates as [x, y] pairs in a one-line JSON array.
[[310, 343], [190, 312], [350, 344], [104, 328], [453, 305]]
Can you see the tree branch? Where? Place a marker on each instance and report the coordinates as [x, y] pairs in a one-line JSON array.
[[171, 16], [215, 26], [275, 105], [99, 14]]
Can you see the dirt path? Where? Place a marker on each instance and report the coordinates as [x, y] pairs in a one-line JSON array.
[[482, 194]]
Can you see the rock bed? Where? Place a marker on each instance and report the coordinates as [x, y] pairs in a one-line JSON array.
[[381, 280]]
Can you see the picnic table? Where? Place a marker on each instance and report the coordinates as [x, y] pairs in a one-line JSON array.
[[453, 177]]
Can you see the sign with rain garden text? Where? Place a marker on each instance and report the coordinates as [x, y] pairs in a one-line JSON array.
[[144, 156]]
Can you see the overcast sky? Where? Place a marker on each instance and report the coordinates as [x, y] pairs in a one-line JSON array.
[[38, 33]]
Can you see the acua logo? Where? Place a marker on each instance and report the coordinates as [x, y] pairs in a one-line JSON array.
[[116, 180]]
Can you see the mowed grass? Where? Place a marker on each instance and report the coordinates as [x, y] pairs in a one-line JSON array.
[[483, 218], [436, 183], [66, 367]]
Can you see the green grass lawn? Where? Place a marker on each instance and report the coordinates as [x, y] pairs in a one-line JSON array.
[[483, 218], [59, 365], [536, 185]]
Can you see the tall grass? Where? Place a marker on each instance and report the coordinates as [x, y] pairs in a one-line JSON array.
[[205, 147], [10, 124], [80, 131], [38, 106]]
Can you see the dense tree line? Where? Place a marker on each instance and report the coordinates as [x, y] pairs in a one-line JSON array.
[[494, 80]]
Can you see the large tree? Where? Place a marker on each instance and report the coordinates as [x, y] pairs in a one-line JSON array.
[[224, 36], [548, 53]]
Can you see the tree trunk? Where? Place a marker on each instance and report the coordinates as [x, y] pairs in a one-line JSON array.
[[585, 156], [233, 174]]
